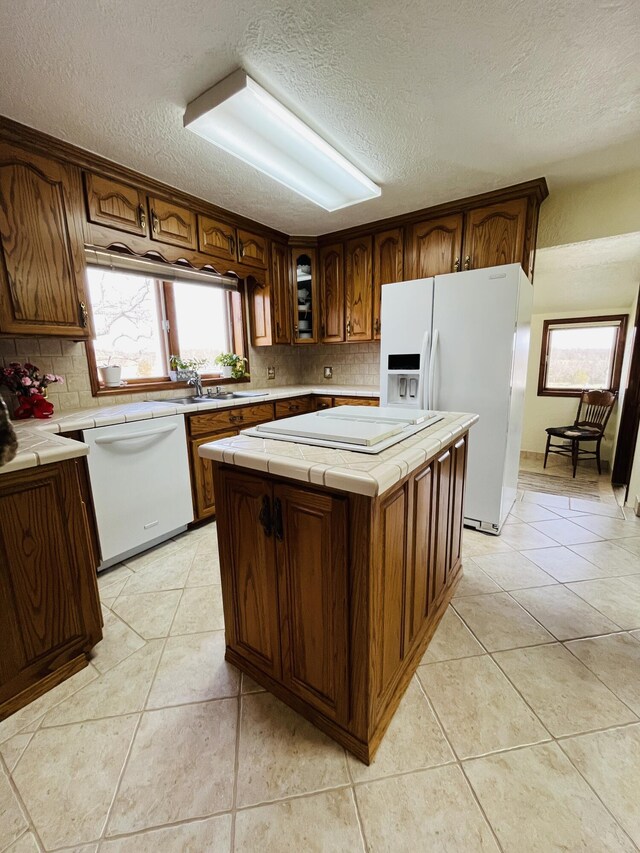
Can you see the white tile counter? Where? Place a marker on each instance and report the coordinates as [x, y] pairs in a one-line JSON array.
[[39, 441], [339, 469]]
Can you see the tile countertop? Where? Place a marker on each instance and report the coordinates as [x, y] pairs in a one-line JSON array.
[[345, 470], [39, 442]]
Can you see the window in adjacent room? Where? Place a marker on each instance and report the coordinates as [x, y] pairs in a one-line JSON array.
[[581, 354]]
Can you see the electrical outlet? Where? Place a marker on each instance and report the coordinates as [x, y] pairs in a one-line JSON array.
[[328, 373], [271, 373]]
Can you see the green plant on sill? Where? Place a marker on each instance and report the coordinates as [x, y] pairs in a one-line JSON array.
[[190, 364], [235, 362]]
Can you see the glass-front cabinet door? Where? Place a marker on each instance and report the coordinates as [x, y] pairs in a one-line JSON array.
[[305, 296]]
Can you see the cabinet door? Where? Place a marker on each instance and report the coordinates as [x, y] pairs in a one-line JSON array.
[[173, 224], [281, 294], [248, 569], [442, 524], [252, 249], [356, 401], [495, 234], [204, 504], [216, 238], [421, 562], [332, 293], [323, 403], [435, 246], [296, 406], [115, 204], [359, 289], [42, 263], [311, 533], [260, 317], [388, 257]]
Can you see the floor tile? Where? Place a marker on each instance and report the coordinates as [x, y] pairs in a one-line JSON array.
[[612, 559], [531, 512], [617, 598], [479, 709], [200, 610], [67, 798], [566, 532], [413, 741], [564, 614], [121, 690], [567, 696], [25, 844], [170, 572], [452, 639], [610, 762], [181, 767], [150, 614], [608, 528], [521, 536], [13, 822], [118, 642], [154, 555], [631, 544], [248, 685], [563, 564], [281, 754], [12, 749], [193, 669], [537, 802], [499, 622], [512, 570], [323, 822], [212, 835], [545, 499], [475, 543], [616, 661], [474, 581], [433, 810], [612, 510], [205, 569], [113, 579]]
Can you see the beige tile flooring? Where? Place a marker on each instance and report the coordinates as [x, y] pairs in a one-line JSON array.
[[520, 731]]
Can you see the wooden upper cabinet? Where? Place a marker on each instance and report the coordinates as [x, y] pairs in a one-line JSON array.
[[171, 223], [359, 290], [42, 265], [115, 204], [332, 293], [252, 249], [260, 306], [388, 261], [216, 238], [280, 293], [435, 246], [495, 234]]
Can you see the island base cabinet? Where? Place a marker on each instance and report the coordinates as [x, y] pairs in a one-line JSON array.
[[330, 598]]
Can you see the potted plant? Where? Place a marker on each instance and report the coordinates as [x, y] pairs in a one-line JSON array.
[[30, 387], [233, 365], [182, 369], [110, 374]]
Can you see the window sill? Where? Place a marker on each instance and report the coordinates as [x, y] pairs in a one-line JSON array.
[[544, 392], [162, 385]]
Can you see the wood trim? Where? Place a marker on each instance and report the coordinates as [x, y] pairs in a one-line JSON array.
[[630, 415], [567, 321]]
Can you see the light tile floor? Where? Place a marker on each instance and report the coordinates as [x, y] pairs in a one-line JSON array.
[[520, 731]]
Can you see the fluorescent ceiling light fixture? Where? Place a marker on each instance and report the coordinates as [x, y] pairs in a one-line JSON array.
[[243, 119]]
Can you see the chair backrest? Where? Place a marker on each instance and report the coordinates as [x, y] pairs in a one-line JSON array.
[[595, 408]]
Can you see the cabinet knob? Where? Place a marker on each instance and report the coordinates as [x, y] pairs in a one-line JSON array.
[[154, 222], [265, 516], [348, 328], [377, 326], [467, 262], [142, 217], [277, 520], [241, 248], [84, 315], [456, 265], [232, 245]]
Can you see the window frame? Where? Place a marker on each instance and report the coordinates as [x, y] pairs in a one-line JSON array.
[[616, 371], [237, 335]]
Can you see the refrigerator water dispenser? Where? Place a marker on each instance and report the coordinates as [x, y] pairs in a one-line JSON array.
[[403, 379]]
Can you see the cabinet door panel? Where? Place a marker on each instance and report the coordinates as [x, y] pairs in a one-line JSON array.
[[281, 294], [458, 473], [313, 586], [435, 246], [251, 579], [171, 223], [332, 292], [216, 238], [260, 319], [252, 249], [202, 476], [359, 289], [115, 204], [495, 234], [388, 259], [41, 278], [422, 557], [442, 522]]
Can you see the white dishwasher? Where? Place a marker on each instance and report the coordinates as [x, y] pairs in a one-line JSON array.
[[140, 483]]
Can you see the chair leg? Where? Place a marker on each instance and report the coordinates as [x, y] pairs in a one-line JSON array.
[[546, 451], [574, 455], [598, 456]]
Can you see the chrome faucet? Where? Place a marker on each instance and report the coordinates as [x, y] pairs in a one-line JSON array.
[[196, 381]]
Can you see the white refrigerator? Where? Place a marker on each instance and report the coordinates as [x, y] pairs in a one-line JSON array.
[[460, 343]]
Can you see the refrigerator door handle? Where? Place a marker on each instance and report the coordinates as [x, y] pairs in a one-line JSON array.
[[433, 401], [423, 394]]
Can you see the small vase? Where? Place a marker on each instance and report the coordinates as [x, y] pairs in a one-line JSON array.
[[227, 372], [111, 375]]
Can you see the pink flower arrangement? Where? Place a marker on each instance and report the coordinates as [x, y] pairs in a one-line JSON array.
[[25, 379]]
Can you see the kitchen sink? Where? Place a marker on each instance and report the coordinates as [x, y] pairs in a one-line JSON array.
[[206, 398]]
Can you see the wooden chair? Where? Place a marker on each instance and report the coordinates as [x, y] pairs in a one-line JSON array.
[[594, 410]]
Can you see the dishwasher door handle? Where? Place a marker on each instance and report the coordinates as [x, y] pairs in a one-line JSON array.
[[143, 433]]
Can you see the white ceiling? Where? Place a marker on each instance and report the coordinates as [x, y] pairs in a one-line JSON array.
[[593, 275], [433, 100]]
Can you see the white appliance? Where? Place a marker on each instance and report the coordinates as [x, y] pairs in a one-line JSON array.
[[363, 430], [139, 475], [460, 343]]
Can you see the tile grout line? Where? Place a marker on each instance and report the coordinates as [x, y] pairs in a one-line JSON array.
[[22, 806], [236, 768], [356, 806]]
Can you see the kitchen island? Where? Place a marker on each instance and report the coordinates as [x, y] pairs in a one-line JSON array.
[[337, 567]]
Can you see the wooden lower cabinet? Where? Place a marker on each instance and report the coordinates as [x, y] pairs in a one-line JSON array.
[[295, 406], [204, 504], [356, 401], [330, 598], [49, 604]]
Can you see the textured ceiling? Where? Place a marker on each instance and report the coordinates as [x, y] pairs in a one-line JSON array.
[[587, 276], [433, 100]]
